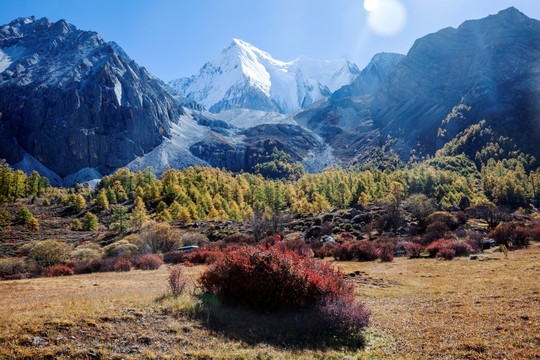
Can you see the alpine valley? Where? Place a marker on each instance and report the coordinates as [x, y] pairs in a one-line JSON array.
[[75, 107]]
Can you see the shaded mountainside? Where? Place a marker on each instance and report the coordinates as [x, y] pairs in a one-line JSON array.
[[491, 65], [372, 76], [72, 101]]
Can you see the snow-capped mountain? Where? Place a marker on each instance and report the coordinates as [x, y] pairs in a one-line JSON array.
[[242, 76]]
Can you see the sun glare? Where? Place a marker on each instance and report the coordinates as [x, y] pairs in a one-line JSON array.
[[371, 5], [387, 18]]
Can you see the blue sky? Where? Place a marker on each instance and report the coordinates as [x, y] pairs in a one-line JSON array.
[[174, 38]]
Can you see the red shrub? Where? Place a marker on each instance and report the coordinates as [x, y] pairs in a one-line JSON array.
[[446, 253], [204, 256], [240, 238], [324, 251], [511, 236], [178, 283], [461, 248], [273, 280], [175, 257], [413, 249], [59, 270], [441, 247], [385, 251], [435, 246], [358, 250], [534, 231], [295, 245], [347, 236], [502, 234], [435, 231], [149, 262], [344, 316], [122, 265]]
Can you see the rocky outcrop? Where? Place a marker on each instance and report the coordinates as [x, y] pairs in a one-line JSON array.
[[74, 101], [255, 144], [372, 76]]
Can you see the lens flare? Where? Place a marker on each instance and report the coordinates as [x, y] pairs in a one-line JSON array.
[[388, 18], [371, 5]]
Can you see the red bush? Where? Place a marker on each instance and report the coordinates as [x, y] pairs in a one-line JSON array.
[[433, 248], [240, 238], [296, 245], [204, 256], [148, 262], [324, 251], [413, 249], [458, 248], [358, 250], [534, 231], [175, 257], [59, 270], [446, 253], [122, 265], [178, 283], [511, 236], [272, 280], [385, 251]]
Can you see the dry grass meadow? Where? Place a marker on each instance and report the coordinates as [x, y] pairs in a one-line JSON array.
[[421, 309]]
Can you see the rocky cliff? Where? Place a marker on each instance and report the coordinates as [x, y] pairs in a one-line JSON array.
[[73, 101]]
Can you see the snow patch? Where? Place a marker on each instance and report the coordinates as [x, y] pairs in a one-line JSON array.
[[118, 91], [30, 163], [245, 118], [85, 176]]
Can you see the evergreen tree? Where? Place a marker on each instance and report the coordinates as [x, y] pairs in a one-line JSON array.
[[90, 222], [138, 214], [33, 224], [79, 203], [23, 216], [102, 202]]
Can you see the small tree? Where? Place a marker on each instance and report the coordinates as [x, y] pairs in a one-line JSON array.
[[101, 200], [33, 224], [120, 219], [76, 225], [138, 215], [4, 220], [79, 203], [23, 216], [90, 222]]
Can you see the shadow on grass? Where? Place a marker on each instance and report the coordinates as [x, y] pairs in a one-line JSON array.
[[287, 330]]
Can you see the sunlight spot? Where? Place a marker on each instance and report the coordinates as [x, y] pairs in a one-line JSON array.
[[371, 5], [388, 17]]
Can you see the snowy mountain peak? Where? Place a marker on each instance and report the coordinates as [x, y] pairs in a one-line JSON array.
[[243, 76]]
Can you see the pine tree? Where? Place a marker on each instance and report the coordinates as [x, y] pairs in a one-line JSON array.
[[23, 216], [90, 222], [79, 203], [101, 200], [164, 215], [33, 224], [138, 214], [184, 215], [120, 219]]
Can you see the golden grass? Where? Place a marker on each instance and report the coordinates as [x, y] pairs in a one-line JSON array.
[[421, 309]]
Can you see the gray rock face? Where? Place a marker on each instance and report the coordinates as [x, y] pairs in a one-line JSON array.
[[257, 142], [72, 100], [372, 76], [491, 65]]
